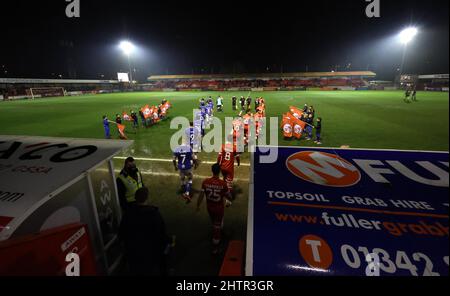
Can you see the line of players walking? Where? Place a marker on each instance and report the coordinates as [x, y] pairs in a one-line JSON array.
[[246, 103], [218, 189]]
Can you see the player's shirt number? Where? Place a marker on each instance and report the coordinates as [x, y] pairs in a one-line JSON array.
[[213, 194]]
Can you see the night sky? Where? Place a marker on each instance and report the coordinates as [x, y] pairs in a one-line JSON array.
[[39, 41]]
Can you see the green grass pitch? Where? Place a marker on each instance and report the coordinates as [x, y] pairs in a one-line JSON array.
[[359, 119], [366, 119]]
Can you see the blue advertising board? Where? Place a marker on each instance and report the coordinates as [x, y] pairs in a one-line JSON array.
[[349, 212]]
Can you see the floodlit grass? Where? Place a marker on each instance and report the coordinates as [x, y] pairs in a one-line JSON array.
[[358, 119], [372, 119]]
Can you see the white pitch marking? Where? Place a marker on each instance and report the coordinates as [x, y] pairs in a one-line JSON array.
[[178, 175]]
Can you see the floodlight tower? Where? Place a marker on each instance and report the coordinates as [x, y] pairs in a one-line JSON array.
[[127, 48], [406, 36]]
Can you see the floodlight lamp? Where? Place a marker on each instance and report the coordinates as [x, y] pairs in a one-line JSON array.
[[127, 47], [407, 35]]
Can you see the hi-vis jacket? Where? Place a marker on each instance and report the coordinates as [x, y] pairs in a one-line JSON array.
[[131, 185]]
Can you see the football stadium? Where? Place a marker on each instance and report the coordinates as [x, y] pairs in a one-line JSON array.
[[339, 171]]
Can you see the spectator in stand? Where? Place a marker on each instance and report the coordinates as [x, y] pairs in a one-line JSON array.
[[143, 233]]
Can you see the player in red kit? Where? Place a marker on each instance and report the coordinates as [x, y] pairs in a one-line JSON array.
[[238, 128], [217, 198], [226, 160]]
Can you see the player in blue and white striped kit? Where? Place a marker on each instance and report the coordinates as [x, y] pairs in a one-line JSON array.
[[184, 159], [209, 111], [199, 120], [193, 137], [202, 102]]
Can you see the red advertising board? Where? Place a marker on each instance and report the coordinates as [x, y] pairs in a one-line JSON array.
[[44, 254]]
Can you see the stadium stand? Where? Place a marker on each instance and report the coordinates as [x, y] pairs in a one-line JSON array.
[[281, 81], [434, 82], [18, 88]]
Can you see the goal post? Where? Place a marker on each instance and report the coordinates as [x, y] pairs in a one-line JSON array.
[[43, 92]]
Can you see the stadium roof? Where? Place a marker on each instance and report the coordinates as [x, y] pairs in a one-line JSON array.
[[434, 76], [264, 75]]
